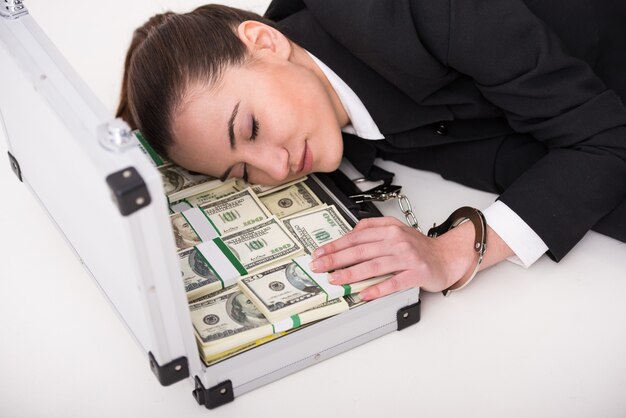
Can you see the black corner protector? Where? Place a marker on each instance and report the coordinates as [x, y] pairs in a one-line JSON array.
[[128, 190], [169, 373], [213, 397], [408, 315], [15, 166]]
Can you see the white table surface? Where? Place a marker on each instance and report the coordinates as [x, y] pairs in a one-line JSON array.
[[545, 342]]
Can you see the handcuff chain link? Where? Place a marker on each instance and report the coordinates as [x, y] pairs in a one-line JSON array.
[[386, 192], [407, 211]]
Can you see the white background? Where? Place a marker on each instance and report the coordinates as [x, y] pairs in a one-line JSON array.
[[548, 341]]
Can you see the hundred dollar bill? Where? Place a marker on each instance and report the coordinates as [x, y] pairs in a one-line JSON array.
[[216, 358], [282, 290], [180, 183], [236, 212], [262, 244], [316, 227], [226, 189], [325, 310], [184, 234], [292, 199], [227, 320], [261, 190], [199, 278], [202, 198]]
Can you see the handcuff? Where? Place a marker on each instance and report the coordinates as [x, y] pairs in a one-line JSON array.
[[386, 192]]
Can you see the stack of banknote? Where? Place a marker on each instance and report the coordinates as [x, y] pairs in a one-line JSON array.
[[244, 251]]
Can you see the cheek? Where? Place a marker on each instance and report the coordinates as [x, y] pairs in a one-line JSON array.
[[331, 151]]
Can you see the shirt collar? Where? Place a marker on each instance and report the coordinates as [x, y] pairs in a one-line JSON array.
[[361, 122]]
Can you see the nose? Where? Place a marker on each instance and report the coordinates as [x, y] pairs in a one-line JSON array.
[[269, 164]]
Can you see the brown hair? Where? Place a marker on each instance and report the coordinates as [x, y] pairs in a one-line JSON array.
[[170, 52]]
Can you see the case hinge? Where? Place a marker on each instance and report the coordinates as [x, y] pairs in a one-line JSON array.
[[169, 373], [213, 397], [408, 315], [15, 166], [12, 9], [116, 135], [129, 190]]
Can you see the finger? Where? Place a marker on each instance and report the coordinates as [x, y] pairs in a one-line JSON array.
[[355, 237], [394, 284], [349, 256], [366, 270], [377, 222]]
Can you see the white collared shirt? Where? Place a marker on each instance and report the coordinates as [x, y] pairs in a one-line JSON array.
[[516, 233]]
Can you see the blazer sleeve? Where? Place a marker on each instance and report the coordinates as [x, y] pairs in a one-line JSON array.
[[520, 65]]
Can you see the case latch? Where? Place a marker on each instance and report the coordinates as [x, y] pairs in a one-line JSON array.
[[213, 397], [12, 9], [169, 373], [129, 190]]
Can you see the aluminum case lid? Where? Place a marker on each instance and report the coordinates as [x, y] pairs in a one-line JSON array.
[[79, 163]]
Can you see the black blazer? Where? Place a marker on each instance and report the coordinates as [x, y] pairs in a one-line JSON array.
[[433, 72]]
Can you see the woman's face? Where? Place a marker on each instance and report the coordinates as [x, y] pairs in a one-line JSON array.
[[271, 118]]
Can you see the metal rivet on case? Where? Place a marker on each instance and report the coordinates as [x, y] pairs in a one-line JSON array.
[[223, 391], [127, 174], [140, 201], [405, 315]]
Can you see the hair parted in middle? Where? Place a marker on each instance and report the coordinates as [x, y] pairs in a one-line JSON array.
[[171, 52]]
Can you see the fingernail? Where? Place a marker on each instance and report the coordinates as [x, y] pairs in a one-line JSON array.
[[318, 253], [364, 295], [331, 278], [315, 265]]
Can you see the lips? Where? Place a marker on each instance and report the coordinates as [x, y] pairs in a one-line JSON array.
[[306, 163]]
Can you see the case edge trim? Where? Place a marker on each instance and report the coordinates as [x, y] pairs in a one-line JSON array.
[[169, 373], [409, 315], [215, 396]]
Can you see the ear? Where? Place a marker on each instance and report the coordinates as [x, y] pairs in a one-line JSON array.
[[261, 38]]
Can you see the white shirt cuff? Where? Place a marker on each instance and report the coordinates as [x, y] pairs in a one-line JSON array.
[[516, 233]]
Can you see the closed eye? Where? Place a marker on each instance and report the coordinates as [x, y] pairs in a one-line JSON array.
[[255, 129]]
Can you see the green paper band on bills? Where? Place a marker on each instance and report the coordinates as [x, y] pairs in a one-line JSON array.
[[210, 266], [220, 262], [296, 320], [231, 257], [201, 224], [286, 324], [306, 271], [348, 289], [321, 279]]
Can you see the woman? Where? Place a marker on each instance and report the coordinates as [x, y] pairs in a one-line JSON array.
[[482, 92]]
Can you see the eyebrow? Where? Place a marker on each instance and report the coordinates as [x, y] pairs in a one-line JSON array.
[[231, 138], [231, 126]]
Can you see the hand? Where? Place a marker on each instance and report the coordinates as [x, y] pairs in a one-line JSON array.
[[379, 246]]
